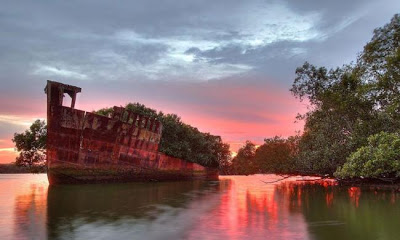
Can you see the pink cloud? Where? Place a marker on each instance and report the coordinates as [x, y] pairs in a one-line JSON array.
[[7, 155], [238, 109]]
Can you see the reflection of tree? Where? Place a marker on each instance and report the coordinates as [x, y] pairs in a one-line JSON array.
[[344, 212], [354, 194], [71, 204], [30, 213], [254, 210], [295, 192]]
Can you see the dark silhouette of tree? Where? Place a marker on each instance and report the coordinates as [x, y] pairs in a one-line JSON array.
[[32, 145], [244, 161]]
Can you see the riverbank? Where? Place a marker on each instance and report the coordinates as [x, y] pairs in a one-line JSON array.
[[373, 183], [11, 168]]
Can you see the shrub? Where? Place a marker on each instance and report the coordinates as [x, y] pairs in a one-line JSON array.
[[380, 158]]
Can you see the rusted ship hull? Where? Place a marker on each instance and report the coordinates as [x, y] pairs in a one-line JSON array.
[[84, 147]]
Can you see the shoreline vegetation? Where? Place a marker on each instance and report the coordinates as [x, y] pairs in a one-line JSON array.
[[12, 168], [381, 183]]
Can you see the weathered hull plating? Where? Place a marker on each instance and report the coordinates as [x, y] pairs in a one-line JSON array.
[[84, 147]]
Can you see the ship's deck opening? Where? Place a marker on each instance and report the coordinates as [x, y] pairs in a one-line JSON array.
[[67, 100]]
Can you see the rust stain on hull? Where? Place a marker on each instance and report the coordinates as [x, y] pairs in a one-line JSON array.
[[84, 147]]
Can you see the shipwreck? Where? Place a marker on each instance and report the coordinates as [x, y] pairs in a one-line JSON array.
[[85, 147]]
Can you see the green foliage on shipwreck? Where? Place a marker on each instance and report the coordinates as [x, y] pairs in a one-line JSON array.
[[181, 140]]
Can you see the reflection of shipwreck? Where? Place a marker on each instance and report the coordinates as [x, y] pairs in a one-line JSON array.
[[87, 147]]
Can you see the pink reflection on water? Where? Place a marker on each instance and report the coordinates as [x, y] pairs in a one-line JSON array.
[[354, 194], [30, 207], [30, 212], [393, 198], [329, 199], [249, 208]]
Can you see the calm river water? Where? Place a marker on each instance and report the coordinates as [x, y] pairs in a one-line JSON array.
[[236, 207]]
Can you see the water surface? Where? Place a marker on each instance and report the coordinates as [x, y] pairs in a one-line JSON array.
[[236, 207]]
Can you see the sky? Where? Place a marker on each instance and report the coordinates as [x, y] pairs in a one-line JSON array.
[[225, 66]]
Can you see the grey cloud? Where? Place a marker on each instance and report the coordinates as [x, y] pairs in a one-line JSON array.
[[193, 50], [333, 12], [7, 130], [247, 117], [73, 35]]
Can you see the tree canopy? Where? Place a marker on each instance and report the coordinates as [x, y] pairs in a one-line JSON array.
[[275, 155], [31, 144], [244, 161], [351, 110], [380, 158], [350, 103]]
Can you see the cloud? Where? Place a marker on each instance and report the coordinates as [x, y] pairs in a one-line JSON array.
[[14, 120], [7, 150], [6, 144], [57, 72], [10, 124], [132, 50], [149, 41], [7, 157], [234, 108]]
